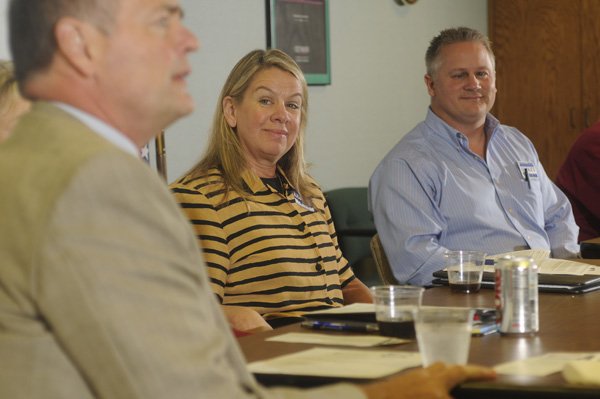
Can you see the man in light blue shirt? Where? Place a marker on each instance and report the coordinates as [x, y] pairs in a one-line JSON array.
[[462, 180]]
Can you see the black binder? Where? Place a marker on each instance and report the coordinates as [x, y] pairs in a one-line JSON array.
[[561, 283]]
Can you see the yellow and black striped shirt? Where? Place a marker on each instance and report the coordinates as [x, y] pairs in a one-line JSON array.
[[272, 252]]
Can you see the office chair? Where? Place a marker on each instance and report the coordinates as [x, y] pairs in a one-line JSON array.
[[381, 262], [355, 227], [161, 155], [590, 249]]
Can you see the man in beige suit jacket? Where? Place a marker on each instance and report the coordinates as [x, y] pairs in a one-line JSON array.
[[103, 292]]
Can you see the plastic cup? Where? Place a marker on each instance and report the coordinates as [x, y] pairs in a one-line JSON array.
[[395, 306], [444, 334], [465, 269]]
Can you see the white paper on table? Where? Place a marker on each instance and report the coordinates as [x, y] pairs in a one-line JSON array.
[[583, 372], [541, 366], [538, 255], [562, 266], [341, 363], [549, 265], [352, 308], [362, 341], [592, 269]]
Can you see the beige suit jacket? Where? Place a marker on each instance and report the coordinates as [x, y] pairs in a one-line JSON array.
[[103, 292]]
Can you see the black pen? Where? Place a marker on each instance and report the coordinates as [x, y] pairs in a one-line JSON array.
[[527, 178], [341, 326]]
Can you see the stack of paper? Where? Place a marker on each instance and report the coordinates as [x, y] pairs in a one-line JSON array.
[[340, 363], [549, 265]]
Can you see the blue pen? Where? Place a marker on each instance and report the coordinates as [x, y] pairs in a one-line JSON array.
[[341, 325]]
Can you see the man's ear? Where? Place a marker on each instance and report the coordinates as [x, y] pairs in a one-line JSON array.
[[229, 111], [75, 41], [429, 84]]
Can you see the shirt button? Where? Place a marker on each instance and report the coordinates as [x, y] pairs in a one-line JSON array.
[[301, 227], [328, 301], [318, 267]]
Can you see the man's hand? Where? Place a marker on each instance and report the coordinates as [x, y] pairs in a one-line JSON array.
[[433, 382]]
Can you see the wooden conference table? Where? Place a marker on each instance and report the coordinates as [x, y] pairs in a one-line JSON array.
[[568, 323]]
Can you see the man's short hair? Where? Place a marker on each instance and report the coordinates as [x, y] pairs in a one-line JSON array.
[[31, 28], [450, 36]]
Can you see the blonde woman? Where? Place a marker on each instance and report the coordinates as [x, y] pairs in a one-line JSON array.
[[262, 221]]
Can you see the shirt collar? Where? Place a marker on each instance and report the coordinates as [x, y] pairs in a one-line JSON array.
[[255, 184], [438, 126], [101, 128]]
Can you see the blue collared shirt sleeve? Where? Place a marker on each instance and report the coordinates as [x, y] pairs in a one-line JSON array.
[[559, 220]]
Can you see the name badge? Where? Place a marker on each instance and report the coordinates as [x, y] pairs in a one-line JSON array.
[[299, 201], [527, 170]]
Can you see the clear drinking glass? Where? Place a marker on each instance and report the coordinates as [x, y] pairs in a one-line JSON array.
[[394, 309], [465, 269], [444, 334]]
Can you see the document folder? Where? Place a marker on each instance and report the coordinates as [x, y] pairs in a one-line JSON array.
[[571, 276], [565, 283]]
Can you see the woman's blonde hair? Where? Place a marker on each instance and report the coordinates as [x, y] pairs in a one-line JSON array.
[[224, 150], [9, 91], [12, 105]]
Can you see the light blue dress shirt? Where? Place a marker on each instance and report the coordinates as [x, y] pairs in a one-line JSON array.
[[431, 193]]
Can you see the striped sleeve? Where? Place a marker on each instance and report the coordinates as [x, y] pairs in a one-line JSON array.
[[209, 232]]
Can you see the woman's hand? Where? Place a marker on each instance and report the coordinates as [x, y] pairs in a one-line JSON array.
[[245, 319]]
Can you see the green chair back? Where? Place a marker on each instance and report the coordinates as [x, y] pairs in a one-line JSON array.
[[355, 227]]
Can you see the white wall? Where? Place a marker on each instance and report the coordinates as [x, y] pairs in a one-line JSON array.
[[377, 92]]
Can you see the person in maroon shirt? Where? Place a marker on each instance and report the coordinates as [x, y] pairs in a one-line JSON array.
[[579, 179]]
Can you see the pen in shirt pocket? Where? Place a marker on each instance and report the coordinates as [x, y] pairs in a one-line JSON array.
[[528, 178]]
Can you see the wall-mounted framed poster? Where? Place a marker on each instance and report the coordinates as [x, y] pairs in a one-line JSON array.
[[301, 29]]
